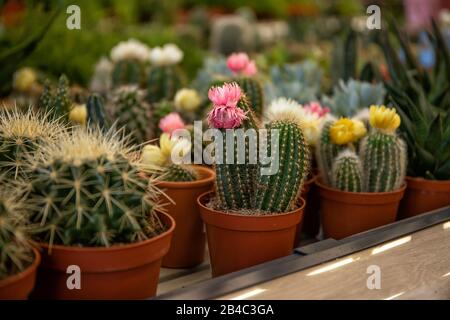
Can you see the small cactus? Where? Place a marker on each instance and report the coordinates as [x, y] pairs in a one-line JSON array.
[[96, 112], [61, 101], [132, 112], [347, 172], [46, 98], [163, 83], [178, 173], [85, 191], [21, 134], [127, 72], [15, 252], [279, 192], [254, 92]]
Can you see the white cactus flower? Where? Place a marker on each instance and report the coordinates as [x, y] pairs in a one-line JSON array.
[[169, 54], [131, 49]]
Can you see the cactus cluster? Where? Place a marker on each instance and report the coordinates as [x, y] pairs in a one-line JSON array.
[[130, 110], [243, 187], [56, 101], [178, 173], [84, 190], [15, 252], [377, 165], [21, 133]]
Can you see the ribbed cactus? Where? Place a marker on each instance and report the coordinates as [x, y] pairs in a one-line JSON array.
[[383, 157], [20, 135], [132, 112], [96, 112], [347, 172], [15, 252], [326, 152], [46, 98], [178, 173], [163, 83], [61, 101], [279, 192], [254, 92], [236, 184], [127, 72], [84, 190]]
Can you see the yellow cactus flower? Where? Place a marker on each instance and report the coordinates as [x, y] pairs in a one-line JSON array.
[[152, 155], [23, 79], [384, 118], [78, 114], [166, 144], [359, 129], [187, 100], [342, 131]]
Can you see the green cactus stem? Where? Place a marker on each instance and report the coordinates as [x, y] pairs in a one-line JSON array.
[[163, 83], [127, 72], [347, 172], [254, 92], [179, 173], [96, 112]]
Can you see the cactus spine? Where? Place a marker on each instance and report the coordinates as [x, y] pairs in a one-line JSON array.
[[347, 172], [179, 173], [84, 190], [163, 83], [326, 152], [254, 92], [127, 72], [278, 192], [383, 158], [96, 112], [15, 252], [132, 112]]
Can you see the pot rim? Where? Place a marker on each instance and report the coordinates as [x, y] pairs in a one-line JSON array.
[[435, 185], [310, 181], [210, 177], [356, 194], [113, 248], [267, 216], [25, 273]]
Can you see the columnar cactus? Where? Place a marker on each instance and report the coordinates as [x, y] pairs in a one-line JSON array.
[[178, 173], [279, 192], [84, 190], [383, 153], [58, 102], [132, 112], [165, 78], [254, 92], [96, 112], [235, 183], [347, 172], [15, 252], [326, 152], [126, 73], [21, 134]]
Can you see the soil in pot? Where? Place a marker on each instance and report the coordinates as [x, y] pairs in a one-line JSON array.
[[128, 271], [188, 244], [19, 286], [239, 241], [423, 195], [347, 213]]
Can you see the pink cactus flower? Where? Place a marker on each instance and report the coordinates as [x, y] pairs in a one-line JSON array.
[[171, 122], [251, 69], [225, 113], [237, 62], [316, 107]]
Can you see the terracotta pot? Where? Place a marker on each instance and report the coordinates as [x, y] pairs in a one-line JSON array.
[[19, 286], [187, 248], [309, 212], [128, 271], [424, 195], [347, 213], [237, 241]]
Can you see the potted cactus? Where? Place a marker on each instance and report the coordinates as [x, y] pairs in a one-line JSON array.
[[361, 185], [18, 259], [422, 98], [181, 184], [252, 216], [90, 209], [21, 133]]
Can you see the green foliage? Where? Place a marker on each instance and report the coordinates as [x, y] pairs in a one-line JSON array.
[[163, 83], [130, 110], [347, 172], [15, 251], [85, 191], [179, 173], [279, 192], [422, 99]]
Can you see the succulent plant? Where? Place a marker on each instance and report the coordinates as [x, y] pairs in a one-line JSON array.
[[163, 83], [254, 92], [350, 97], [214, 72], [21, 133], [96, 112], [422, 99], [15, 252], [127, 72], [130, 110], [279, 192], [178, 173], [85, 191], [347, 172], [58, 101]]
